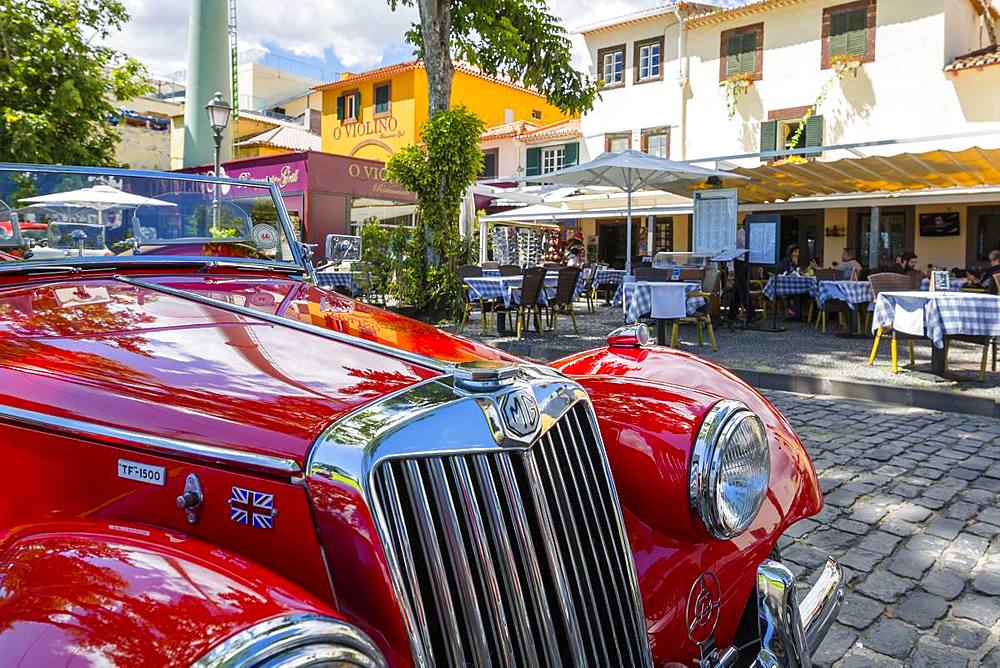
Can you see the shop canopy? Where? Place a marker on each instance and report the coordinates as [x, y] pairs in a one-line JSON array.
[[937, 169]]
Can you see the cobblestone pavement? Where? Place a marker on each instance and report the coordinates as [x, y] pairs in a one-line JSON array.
[[913, 514]]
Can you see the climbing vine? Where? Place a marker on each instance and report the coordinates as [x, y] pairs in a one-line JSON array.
[[735, 86]]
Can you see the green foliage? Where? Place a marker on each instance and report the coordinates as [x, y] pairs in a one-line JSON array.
[[438, 170], [58, 87], [518, 39]]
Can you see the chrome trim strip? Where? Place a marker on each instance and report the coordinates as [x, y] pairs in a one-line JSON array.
[[791, 632], [294, 639], [170, 446], [389, 351]]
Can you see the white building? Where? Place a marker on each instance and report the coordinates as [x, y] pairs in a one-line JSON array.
[[690, 82]]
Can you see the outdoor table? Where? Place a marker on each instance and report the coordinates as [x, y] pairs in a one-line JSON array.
[[491, 272], [851, 292], [938, 316], [605, 276], [786, 286], [637, 300], [338, 279]]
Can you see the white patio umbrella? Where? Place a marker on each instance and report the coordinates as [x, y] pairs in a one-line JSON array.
[[631, 171], [100, 198]]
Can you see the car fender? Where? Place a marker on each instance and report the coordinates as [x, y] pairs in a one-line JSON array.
[[100, 593], [650, 403]]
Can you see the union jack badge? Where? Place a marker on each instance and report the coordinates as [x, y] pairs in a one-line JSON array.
[[254, 508]]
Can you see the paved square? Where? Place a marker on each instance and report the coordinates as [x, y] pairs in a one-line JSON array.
[[913, 513]]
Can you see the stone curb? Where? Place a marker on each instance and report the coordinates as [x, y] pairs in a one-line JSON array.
[[887, 394]]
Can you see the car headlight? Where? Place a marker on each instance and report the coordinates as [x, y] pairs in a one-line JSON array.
[[295, 641], [730, 467]]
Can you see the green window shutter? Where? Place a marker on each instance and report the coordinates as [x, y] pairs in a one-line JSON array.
[[571, 154], [357, 104], [814, 134], [381, 99], [340, 108], [768, 136], [733, 56], [533, 162], [748, 57], [849, 33]]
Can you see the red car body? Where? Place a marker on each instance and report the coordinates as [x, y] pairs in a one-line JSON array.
[[94, 566]]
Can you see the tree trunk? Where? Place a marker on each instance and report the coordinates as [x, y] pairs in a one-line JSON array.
[[435, 26]]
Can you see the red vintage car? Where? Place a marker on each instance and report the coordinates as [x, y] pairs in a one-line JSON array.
[[210, 461]]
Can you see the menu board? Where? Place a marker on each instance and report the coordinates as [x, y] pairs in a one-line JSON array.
[[762, 239], [714, 226]]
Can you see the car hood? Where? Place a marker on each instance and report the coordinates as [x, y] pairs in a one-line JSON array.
[[103, 351]]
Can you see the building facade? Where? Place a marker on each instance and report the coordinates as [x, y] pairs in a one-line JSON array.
[[373, 114], [899, 77]]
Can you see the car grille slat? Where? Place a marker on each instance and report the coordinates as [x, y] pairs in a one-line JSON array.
[[515, 557]]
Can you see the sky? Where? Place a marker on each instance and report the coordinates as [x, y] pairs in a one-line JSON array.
[[335, 35]]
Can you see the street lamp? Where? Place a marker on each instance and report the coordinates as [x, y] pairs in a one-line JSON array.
[[218, 111]]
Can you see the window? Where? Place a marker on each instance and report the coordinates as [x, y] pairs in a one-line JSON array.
[[849, 30], [779, 132], [656, 141], [648, 60], [349, 106], [617, 142], [536, 114], [895, 236], [553, 158], [382, 99], [491, 159], [611, 62], [663, 234], [508, 115], [741, 52], [542, 160]]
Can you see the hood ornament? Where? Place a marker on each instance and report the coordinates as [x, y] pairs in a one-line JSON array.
[[484, 375], [520, 413]]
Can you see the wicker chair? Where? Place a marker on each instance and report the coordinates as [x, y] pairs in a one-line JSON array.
[[564, 297], [889, 282], [491, 265], [468, 301], [531, 290], [510, 270]]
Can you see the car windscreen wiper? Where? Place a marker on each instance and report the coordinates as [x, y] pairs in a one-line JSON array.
[[40, 269], [250, 266]]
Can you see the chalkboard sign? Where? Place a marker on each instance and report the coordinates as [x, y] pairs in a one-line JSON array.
[[714, 225], [762, 238], [940, 281]]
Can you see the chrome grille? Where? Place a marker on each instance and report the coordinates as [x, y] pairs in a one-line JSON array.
[[515, 558]]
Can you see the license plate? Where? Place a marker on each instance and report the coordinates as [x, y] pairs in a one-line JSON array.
[[147, 473]]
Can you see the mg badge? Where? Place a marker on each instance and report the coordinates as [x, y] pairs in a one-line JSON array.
[[702, 613], [520, 413]]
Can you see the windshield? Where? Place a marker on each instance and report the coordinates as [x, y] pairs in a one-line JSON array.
[[92, 215]]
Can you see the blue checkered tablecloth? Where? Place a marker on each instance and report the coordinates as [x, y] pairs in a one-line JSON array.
[[852, 292], [943, 314], [491, 272], [792, 284], [337, 279], [606, 276], [636, 299]]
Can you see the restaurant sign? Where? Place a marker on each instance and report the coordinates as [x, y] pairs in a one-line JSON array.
[[288, 176]]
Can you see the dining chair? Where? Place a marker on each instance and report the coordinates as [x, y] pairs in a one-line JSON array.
[[840, 307], [531, 291], [890, 282], [468, 301], [648, 274], [510, 270], [565, 295], [702, 318]]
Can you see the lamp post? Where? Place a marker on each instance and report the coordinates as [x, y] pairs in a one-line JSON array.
[[218, 111]]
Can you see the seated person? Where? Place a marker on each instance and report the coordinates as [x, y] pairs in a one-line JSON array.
[[906, 263], [985, 280], [849, 264], [790, 263]]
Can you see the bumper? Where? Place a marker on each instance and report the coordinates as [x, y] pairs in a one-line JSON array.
[[790, 631]]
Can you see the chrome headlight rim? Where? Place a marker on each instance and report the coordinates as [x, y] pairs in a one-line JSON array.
[[295, 639], [721, 422]]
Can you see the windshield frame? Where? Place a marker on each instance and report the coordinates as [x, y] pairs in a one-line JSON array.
[[296, 248]]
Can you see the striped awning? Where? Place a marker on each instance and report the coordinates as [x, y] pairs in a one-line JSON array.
[[968, 168]]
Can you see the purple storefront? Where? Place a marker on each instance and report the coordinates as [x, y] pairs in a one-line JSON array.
[[326, 193]]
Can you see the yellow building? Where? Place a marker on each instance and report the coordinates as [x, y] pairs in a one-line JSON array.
[[373, 114]]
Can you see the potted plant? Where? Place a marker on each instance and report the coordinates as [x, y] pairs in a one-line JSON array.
[[735, 86]]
